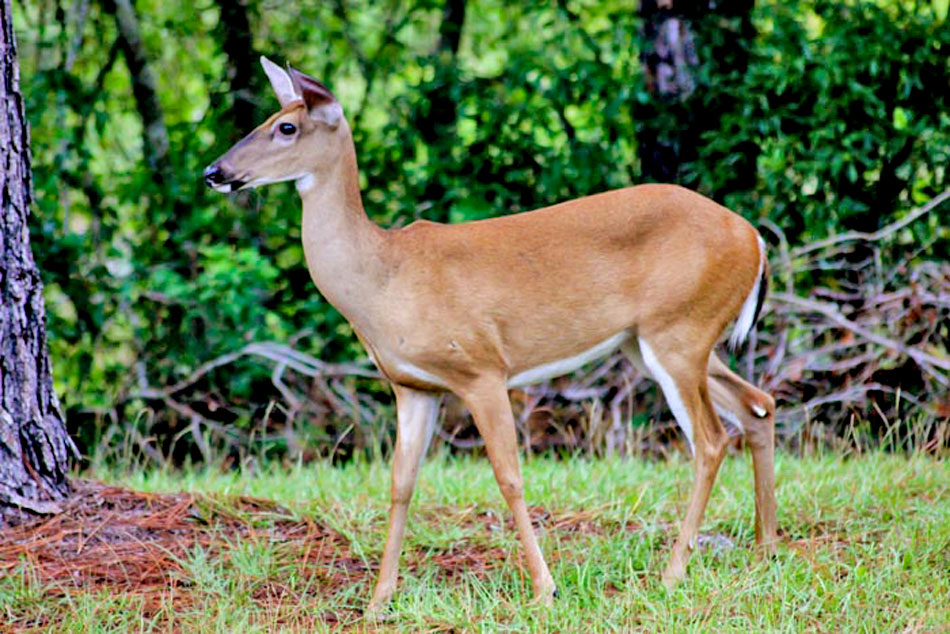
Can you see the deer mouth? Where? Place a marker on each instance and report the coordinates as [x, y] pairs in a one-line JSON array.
[[218, 180], [232, 186]]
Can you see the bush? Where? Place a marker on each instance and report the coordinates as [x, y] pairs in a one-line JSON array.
[[840, 109]]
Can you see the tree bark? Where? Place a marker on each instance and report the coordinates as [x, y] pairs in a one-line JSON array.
[[35, 448], [672, 122], [439, 122], [237, 42]]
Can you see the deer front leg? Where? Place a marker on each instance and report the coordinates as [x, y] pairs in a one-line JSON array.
[[489, 404], [416, 417]]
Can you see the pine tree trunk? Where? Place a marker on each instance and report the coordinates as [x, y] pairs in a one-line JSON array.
[[35, 448]]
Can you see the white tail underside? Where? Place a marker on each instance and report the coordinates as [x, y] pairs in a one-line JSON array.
[[746, 319]]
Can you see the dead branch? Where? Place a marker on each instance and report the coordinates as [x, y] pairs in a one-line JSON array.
[[920, 356], [851, 236]]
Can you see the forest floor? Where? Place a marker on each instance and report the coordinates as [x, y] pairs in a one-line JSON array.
[[865, 547]]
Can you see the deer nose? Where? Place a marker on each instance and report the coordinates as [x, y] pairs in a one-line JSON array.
[[214, 175]]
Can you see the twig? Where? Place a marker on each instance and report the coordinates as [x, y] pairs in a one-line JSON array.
[[917, 355], [280, 354], [850, 236], [459, 444]]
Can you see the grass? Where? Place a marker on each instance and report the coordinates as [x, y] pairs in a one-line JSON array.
[[866, 548]]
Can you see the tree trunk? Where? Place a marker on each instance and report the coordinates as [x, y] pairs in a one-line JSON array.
[[237, 42], [155, 138], [671, 123], [439, 123], [35, 448]]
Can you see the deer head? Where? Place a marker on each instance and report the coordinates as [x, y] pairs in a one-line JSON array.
[[298, 142]]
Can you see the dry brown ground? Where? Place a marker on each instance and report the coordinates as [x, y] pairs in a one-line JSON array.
[[138, 544]]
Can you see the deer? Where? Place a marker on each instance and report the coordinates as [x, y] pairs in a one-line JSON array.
[[478, 308]]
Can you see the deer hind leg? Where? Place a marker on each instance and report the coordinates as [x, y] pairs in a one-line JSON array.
[[753, 411], [488, 402], [683, 381], [416, 414]]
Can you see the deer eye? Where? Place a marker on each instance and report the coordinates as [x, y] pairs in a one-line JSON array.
[[287, 128]]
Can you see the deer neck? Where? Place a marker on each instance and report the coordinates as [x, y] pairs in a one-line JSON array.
[[344, 249]]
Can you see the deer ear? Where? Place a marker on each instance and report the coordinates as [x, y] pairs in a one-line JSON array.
[[281, 82], [321, 103]]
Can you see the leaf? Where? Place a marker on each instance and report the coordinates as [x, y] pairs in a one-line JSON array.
[[940, 8], [900, 117]]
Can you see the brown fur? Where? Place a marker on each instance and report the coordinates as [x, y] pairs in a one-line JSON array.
[[465, 307]]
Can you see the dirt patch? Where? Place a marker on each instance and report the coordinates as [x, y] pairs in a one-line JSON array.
[[141, 545], [125, 539]]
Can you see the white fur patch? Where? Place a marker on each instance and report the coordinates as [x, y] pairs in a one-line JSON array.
[[330, 113], [305, 183], [404, 367], [417, 422], [670, 391], [746, 319], [432, 420], [563, 366], [307, 179]]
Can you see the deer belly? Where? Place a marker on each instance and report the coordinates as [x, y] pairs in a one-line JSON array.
[[569, 364]]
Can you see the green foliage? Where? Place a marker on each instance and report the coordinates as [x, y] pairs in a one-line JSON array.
[[847, 106], [841, 111]]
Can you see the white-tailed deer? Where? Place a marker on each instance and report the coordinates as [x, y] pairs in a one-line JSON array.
[[475, 308]]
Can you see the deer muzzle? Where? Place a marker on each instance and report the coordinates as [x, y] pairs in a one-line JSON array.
[[219, 178]]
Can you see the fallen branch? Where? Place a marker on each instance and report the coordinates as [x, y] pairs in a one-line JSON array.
[[850, 236], [919, 356]]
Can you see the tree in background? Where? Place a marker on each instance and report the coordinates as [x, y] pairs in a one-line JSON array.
[[440, 119], [685, 100], [237, 42], [35, 448], [461, 109]]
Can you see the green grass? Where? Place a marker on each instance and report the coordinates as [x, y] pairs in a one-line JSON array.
[[866, 548]]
